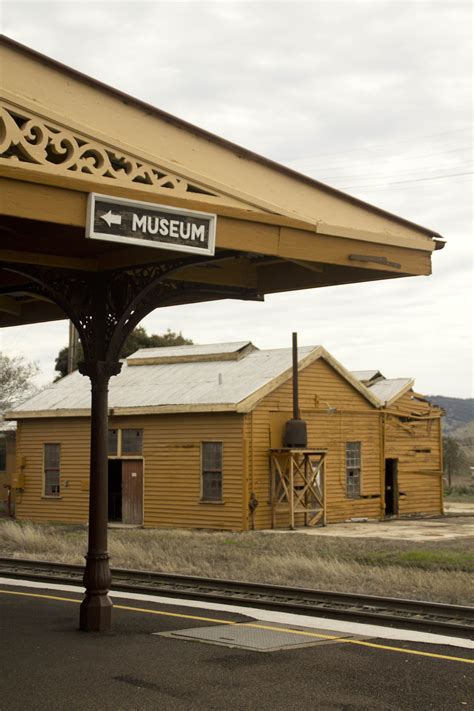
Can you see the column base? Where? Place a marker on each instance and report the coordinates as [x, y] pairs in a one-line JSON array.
[[96, 613]]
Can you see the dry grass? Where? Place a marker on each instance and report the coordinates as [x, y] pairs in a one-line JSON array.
[[440, 571]]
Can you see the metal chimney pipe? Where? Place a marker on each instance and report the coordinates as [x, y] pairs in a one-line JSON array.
[[296, 409], [295, 434]]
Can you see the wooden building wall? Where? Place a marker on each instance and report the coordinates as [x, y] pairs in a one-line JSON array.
[[172, 452], [335, 412], [413, 436], [355, 419], [171, 461], [7, 474], [72, 434]]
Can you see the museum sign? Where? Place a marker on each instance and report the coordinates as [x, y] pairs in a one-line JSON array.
[[150, 225]]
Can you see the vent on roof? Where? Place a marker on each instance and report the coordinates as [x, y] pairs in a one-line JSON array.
[[191, 354]]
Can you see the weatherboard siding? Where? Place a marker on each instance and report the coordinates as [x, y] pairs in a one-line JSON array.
[[172, 479], [7, 474], [321, 389], [336, 413], [419, 472], [73, 436], [172, 469]]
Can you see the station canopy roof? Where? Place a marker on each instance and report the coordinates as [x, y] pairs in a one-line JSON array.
[[65, 135]]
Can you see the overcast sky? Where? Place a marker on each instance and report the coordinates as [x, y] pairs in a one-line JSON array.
[[373, 98]]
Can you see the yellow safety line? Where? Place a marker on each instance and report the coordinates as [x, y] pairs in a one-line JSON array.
[[47, 597], [255, 625]]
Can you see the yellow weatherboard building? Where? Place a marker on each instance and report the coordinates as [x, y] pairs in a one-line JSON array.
[[196, 440]]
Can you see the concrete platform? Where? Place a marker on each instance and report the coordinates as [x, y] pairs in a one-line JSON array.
[[47, 664]]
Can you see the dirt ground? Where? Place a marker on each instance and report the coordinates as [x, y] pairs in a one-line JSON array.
[[456, 507], [435, 529]]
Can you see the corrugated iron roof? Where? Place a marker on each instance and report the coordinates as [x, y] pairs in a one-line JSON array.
[[225, 382], [205, 383], [389, 389]]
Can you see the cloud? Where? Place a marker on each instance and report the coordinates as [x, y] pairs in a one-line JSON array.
[[371, 97]]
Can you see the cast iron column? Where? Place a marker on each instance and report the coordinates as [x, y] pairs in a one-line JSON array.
[[105, 307], [96, 608]]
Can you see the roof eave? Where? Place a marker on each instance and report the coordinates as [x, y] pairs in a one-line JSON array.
[[235, 148]]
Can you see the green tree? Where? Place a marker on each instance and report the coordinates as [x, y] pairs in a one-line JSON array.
[[15, 379], [139, 338], [455, 461]]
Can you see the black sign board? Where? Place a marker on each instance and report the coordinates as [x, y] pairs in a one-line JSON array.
[[150, 225]]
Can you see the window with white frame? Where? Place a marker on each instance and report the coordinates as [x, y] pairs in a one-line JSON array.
[[211, 472], [353, 465], [52, 469]]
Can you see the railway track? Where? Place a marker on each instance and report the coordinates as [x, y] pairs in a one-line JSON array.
[[434, 617]]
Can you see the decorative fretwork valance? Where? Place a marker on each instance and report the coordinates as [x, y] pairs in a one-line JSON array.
[[28, 138]]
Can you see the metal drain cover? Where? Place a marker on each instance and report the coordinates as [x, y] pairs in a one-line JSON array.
[[268, 638]]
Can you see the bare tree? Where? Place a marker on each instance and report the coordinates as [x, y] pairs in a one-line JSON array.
[[15, 379]]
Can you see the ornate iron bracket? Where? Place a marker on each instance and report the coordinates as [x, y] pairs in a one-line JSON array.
[[105, 307]]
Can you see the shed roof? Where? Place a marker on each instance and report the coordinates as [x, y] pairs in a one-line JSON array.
[[389, 390], [200, 385]]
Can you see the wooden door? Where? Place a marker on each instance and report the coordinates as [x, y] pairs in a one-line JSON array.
[[132, 491]]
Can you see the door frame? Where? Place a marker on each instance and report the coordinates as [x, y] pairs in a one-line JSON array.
[[391, 466], [128, 458], [131, 460]]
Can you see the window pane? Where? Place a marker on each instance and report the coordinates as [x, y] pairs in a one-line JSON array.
[[51, 456], [353, 466], [212, 471], [113, 440], [51, 483], [212, 486], [132, 441], [52, 459], [3, 453], [212, 455]]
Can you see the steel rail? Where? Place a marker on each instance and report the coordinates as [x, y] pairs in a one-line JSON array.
[[412, 614]]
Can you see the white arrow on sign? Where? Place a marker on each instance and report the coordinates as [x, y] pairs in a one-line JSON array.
[[111, 219]]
